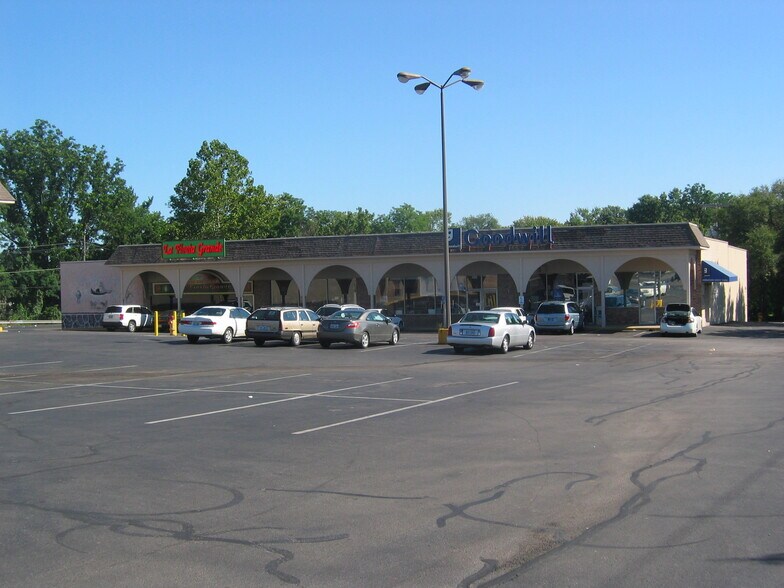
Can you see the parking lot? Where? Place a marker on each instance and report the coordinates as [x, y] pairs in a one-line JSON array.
[[596, 459]]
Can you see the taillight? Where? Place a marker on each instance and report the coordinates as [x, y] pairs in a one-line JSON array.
[[185, 322], [449, 331], [491, 332], [352, 325], [567, 317], [121, 316]]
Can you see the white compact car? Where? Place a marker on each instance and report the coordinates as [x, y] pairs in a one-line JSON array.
[[491, 329], [215, 322], [680, 319]]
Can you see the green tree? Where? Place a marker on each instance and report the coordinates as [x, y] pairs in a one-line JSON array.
[[403, 219], [480, 221], [334, 222], [536, 221], [600, 215], [217, 198], [71, 202]]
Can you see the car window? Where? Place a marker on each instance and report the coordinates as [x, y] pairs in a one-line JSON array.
[[312, 315], [210, 311], [239, 313], [146, 310], [480, 317], [513, 319], [573, 307], [303, 316], [266, 314], [546, 308], [289, 315], [376, 317]]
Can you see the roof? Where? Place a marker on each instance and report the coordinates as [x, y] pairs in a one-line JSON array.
[[5, 195], [580, 238]]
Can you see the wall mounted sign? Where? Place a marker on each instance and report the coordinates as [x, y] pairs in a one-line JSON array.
[[486, 238], [193, 249]]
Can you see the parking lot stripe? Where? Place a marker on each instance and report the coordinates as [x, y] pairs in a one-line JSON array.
[[128, 398], [386, 412], [542, 350], [103, 369], [2, 367], [290, 398], [624, 351]]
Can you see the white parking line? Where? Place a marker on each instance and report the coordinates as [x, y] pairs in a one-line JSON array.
[[394, 346], [118, 367], [386, 412], [128, 398], [548, 349], [624, 351], [300, 397], [2, 367]]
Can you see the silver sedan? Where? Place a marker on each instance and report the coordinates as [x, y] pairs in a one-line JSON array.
[[358, 327], [490, 329]]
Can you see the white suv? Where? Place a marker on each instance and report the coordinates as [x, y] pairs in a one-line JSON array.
[[127, 316]]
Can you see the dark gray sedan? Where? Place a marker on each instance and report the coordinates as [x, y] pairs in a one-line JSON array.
[[358, 327]]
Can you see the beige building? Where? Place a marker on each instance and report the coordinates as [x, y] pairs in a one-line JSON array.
[[619, 274]]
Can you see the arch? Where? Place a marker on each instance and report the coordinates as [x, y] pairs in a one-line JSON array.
[[151, 288], [339, 284], [409, 291], [271, 286], [562, 278], [481, 284]]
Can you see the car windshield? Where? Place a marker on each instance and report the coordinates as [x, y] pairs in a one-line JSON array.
[[266, 314], [551, 309], [347, 314], [208, 311], [114, 309], [480, 317]]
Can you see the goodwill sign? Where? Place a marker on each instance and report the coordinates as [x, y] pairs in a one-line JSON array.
[[474, 238]]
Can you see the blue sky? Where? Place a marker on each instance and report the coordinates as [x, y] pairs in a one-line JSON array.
[[586, 103]]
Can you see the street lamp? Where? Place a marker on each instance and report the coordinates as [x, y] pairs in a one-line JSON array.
[[462, 76]]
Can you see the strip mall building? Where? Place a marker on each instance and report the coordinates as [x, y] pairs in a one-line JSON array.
[[619, 274]]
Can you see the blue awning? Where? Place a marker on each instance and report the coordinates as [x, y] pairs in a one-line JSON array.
[[713, 272]]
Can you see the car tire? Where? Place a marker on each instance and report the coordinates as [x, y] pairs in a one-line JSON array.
[[325, 344], [193, 339], [395, 337], [504, 345], [131, 326], [571, 328], [296, 339], [530, 343], [228, 336], [259, 342], [364, 340]]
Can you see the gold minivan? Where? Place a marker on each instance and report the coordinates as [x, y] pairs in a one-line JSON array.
[[275, 323]]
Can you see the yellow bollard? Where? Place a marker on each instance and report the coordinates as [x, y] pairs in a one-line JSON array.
[[182, 316], [155, 323], [173, 323]]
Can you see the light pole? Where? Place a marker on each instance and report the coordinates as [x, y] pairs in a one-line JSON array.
[[462, 76]]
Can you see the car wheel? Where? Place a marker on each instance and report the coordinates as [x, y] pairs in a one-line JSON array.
[[193, 339], [259, 342], [571, 328], [530, 343], [364, 340], [395, 337], [504, 345], [131, 327], [296, 339], [228, 335], [325, 344], [458, 349]]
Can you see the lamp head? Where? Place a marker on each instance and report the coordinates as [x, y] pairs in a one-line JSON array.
[[404, 77], [475, 84], [463, 72], [420, 88]]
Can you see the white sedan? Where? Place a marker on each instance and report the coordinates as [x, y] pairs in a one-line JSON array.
[[215, 322], [491, 329], [680, 319]]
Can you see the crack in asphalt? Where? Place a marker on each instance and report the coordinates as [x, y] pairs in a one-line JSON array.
[[641, 498]]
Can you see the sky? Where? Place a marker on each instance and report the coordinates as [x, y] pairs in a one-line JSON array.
[[585, 104]]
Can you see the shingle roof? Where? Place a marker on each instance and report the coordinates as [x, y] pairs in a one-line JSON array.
[[5, 196], [596, 237]]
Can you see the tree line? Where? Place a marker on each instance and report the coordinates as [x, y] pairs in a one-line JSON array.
[[73, 204]]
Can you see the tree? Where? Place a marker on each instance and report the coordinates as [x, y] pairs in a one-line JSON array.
[[71, 204], [333, 222], [480, 221], [604, 215], [403, 219], [217, 198], [536, 221]]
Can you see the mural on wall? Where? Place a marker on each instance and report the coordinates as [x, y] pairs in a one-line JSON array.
[[89, 287]]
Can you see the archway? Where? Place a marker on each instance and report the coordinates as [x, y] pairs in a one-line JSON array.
[[639, 290], [271, 286], [337, 284], [481, 285], [563, 279], [409, 291], [205, 288]]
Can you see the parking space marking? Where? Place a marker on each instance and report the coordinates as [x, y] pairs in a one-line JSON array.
[[103, 369], [624, 351], [394, 346], [2, 367], [387, 412], [548, 349], [299, 397], [129, 398]]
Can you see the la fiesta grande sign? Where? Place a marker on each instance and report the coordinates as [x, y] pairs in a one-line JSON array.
[[193, 249]]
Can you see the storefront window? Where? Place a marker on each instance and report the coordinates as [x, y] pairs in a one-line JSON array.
[[407, 295]]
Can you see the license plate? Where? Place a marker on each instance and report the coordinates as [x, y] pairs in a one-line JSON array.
[[264, 328], [334, 327], [470, 332]]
